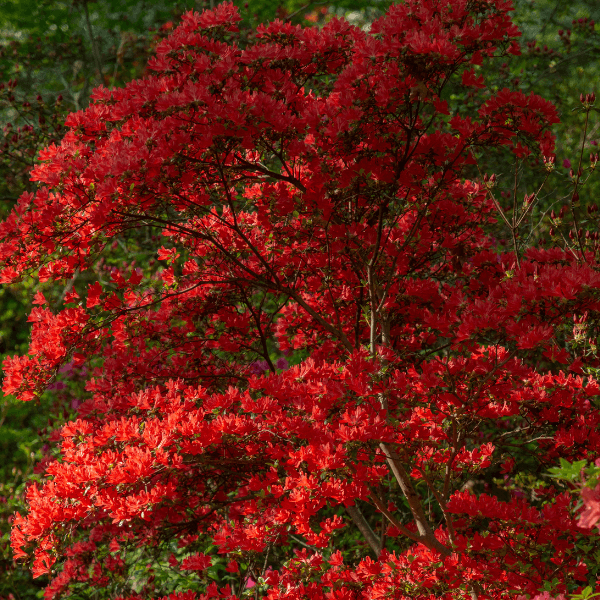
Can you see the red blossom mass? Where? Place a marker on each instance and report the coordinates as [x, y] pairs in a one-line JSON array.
[[311, 187]]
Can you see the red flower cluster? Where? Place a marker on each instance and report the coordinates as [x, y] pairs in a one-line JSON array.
[[311, 190]]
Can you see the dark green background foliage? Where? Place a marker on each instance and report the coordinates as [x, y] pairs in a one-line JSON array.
[[560, 60], [52, 54]]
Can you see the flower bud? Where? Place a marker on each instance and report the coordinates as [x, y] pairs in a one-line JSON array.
[[587, 100], [489, 180]]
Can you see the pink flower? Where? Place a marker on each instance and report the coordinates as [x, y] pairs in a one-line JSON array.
[[282, 364], [591, 507]]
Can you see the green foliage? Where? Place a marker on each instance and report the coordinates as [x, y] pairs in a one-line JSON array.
[[585, 594], [580, 472]]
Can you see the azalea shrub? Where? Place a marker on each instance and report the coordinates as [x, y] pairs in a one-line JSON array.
[[347, 363]]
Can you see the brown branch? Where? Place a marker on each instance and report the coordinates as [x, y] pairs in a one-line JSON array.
[[414, 501], [364, 527]]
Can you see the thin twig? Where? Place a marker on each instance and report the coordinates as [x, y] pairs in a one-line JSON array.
[[95, 50]]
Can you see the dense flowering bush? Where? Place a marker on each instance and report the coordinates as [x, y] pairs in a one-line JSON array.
[[354, 366]]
